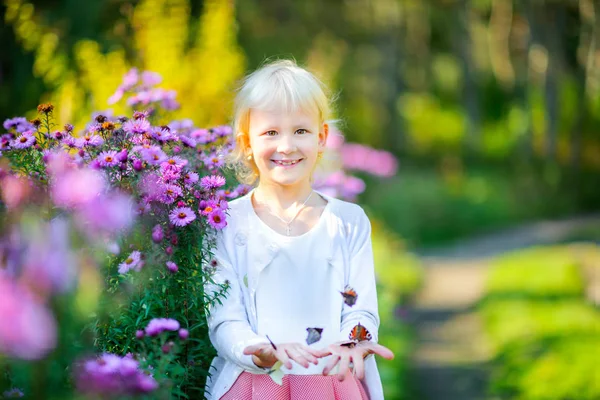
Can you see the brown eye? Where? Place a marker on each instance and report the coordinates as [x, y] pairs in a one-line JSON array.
[[271, 133], [301, 131]]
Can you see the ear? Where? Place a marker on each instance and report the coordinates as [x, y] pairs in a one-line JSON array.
[[323, 134]]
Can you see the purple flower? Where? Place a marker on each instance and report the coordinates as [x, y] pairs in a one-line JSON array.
[[71, 142], [175, 160], [190, 178], [153, 155], [23, 141], [136, 126], [212, 161], [157, 234], [28, 330], [122, 156], [111, 375], [150, 78], [134, 261], [159, 325], [139, 334], [170, 193], [138, 165], [172, 267], [188, 141], [170, 172], [14, 393], [182, 216], [110, 213], [14, 123], [92, 140], [217, 220], [108, 158], [76, 187], [161, 134], [184, 334], [212, 182]]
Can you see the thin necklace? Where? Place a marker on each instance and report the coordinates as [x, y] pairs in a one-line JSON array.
[[288, 224]]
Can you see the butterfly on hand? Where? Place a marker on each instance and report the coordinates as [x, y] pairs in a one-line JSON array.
[[358, 334]]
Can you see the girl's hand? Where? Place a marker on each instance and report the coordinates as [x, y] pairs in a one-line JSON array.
[[265, 356], [344, 355]]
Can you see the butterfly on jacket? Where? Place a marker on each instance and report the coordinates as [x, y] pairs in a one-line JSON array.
[[349, 296], [314, 335], [358, 334]]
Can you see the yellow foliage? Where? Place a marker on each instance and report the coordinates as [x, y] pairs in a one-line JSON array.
[[202, 70]]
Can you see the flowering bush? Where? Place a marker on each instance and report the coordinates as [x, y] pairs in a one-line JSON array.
[[105, 246]]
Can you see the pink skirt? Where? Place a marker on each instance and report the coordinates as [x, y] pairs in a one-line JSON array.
[[250, 386]]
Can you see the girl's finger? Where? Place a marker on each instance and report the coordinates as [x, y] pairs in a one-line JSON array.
[[359, 365], [295, 355], [344, 366], [380, 350], [318, 353], [331, 364], [283, 357], [304, 351]]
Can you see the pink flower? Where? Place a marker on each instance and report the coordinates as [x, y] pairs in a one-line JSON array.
[[217, 220], [108, 158], [212, 182], [182, 216], [23, 141], [76, 187], [170, 193], [190, 178], [172, 267], [159, 325], [92, 140], [153, 155], [136, 126], [134, 261], [111, 213], [28, 329], [14, 190], [157, 234]]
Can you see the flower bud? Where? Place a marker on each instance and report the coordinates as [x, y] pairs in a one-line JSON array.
[[138, 165], [183, 334], [122, 155]]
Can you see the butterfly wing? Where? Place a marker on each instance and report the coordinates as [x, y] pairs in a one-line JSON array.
[[314, 335]]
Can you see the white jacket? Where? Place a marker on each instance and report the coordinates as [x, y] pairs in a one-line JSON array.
[[241, 255]]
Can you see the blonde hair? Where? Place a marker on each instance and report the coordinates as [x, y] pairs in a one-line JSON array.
[[277, 86]]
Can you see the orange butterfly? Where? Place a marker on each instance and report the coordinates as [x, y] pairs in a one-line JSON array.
[[358, 334], [349, 295]]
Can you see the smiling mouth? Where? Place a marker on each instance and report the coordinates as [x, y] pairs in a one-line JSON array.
[[286, 163]]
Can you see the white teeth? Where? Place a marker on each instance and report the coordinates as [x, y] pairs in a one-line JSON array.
[[286, 163]]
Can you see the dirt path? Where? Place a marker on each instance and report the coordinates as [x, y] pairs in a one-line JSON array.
[[451, 358]]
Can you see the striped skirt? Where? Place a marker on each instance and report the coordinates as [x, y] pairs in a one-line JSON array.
[[250, 386]]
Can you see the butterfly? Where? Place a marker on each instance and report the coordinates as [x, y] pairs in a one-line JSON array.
[[349, 295], [358, 334], [314, 335]]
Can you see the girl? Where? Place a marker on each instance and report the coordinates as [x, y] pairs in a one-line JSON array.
[[298, 264]]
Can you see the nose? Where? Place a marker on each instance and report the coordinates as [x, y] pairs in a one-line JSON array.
[[286, 144]]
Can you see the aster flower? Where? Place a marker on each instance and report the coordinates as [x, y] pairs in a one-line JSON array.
[[212, 161], [212, 182], [172, 267], [150, 78], [153, 155], [71, 142], [157, 326], [157, 234], [175, 160], [134, 261], [92, 140], [75, 187], [208, 206], [170, 172], [110, 375], [108, 158], [188, 141], [14, 123], [170, 193], [182, 216], [23, 141], [161, 134], [14, 393], [136, 126], [190, 178], [217, 220]]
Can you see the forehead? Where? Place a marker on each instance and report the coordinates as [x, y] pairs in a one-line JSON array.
[[261, 119]]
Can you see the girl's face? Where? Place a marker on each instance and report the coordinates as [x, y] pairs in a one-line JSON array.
[[285, 145]]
